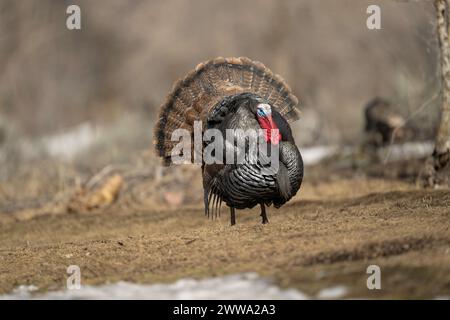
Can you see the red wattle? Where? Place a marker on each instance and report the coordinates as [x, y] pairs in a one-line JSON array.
[[267, 124]]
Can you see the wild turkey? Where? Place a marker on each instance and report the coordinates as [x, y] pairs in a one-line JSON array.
[[236, 93], [383, 123]]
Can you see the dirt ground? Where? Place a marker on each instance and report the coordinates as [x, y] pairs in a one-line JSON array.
[[328, 235]]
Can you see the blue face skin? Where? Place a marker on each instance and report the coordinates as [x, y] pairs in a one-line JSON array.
[[263, 111], [260, 113]]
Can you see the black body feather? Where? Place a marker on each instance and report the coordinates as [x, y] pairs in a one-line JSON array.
[[244, 185]]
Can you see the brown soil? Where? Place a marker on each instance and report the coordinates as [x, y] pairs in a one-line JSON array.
[[328, 235]]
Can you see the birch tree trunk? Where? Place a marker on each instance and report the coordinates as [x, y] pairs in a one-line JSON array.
[[439, 163], [442, 148]]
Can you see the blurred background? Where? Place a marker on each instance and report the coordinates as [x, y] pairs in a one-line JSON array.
[[77, 106]]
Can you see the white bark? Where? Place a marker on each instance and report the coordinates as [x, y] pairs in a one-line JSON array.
[[442, 148]]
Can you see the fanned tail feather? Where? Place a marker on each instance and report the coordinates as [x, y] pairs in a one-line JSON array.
[[193, 97]]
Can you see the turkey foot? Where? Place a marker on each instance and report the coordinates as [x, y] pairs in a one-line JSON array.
[[263, 214], [233, 216]]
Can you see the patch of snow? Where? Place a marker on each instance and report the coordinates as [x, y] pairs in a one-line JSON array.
[[236, 287], [23, 291], [405, 151], [72, 142], [332, 293], [314, 155], [409, 150]]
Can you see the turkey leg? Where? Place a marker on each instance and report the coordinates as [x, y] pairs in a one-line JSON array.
[[263, 214], [233, 216]]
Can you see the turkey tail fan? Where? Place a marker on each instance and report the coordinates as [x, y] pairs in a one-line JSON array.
[[194, 97]]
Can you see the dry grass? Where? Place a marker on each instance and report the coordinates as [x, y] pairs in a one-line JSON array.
[[310, 244]]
